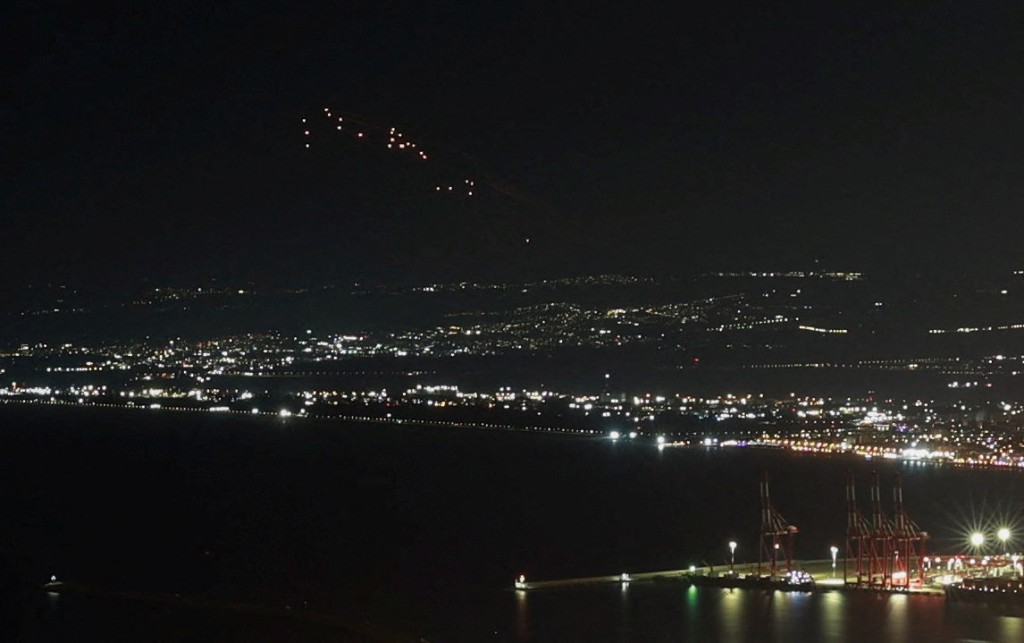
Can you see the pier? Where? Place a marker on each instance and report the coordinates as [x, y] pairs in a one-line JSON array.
[[824, 576]]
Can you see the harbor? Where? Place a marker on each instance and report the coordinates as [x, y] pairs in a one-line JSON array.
[[884, 553], [807, 575]]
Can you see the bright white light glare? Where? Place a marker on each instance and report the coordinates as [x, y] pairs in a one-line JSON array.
[[615, 435], [977, 539], [1004, 534]]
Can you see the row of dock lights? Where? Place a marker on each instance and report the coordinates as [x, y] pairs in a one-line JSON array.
[[520, 582], [632, 435], [732, 556], [615, 435]]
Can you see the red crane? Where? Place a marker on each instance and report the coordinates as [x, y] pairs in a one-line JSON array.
[[880, 573], [908, 543], [776, 534], [859, 541]]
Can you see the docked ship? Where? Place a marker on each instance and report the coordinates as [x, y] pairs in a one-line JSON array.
[[989, 589], [796, 580]]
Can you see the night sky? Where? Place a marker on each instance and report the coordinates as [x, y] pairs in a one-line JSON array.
[[163, 141]]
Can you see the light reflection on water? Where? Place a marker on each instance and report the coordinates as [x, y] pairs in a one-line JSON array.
[[1012, 628], [647, 612], [897, 616], [522, 616], [731, 614], [833, 616], [692, 613]]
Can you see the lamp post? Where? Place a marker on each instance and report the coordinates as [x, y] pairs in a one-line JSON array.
[[775, 564], [835, 552], [977, 542], [1004, 535], [732, 556]]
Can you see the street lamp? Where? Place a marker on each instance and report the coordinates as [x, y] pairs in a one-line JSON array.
[[732, 556], [977, 539], [1004, 535], [835, 552]]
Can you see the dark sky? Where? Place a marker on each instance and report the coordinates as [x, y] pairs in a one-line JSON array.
[[163, 140]]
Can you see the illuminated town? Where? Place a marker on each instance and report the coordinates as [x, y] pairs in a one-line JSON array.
[[958, 413]]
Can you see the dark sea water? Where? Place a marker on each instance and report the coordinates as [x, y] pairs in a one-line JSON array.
[[420, 531]]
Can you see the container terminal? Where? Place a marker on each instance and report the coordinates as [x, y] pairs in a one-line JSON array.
[[883, 552]]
